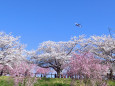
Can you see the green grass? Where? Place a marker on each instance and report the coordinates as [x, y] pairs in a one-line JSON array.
[[111, 83], [53, 82], [8, 81], [66, 82]]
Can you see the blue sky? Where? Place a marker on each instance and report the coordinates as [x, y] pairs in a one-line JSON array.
[[37, 21]]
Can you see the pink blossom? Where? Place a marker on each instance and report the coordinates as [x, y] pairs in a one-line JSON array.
[[41, 70], [22, 69], [86, 65]]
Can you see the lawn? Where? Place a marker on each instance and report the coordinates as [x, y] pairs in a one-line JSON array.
[[8, 81], [65, 82]]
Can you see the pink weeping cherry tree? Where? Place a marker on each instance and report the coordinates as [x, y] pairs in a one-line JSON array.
[[23, 73], [22, 69], [85, 65]]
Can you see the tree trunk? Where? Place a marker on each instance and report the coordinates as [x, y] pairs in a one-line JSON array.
[[58, 73], [1, 73], [111, 74]]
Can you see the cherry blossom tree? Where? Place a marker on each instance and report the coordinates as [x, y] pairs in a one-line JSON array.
[[102, 46], [23, 73], [85, 65], [54, 55], [22, 69], [11, 51]]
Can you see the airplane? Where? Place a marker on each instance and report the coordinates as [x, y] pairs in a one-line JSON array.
[[78, 25]]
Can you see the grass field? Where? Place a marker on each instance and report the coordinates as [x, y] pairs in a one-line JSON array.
[[7, 81], [65, 82]]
